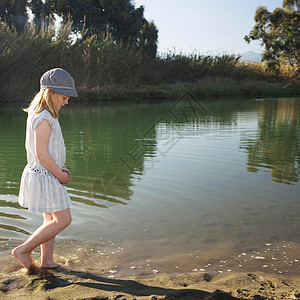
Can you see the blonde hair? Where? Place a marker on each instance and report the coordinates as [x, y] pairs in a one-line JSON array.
[[41, 101]]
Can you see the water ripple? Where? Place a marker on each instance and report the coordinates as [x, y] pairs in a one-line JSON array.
[[12, 216], [13, 228]]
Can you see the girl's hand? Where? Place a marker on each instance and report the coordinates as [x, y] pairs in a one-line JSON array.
[[64, 177], [64, 169]]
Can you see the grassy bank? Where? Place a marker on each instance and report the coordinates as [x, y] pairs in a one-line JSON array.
[[209, 87], [105, 70]]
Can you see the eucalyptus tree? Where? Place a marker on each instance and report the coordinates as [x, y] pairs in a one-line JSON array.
[[14, 13], [279, 33], [120, 19], [42, 12]]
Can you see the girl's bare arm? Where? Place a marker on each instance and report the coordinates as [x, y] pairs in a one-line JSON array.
[[41, 141]]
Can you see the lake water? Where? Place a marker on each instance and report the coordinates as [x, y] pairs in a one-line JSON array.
[[182, 186]]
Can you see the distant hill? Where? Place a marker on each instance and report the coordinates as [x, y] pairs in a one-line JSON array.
[[251, 56]]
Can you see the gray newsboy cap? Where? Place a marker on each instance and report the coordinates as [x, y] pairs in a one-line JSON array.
[[59, 81]]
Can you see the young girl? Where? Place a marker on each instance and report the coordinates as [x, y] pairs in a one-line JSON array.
[[41, 189]]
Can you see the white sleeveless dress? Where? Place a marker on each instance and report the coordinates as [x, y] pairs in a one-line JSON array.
[[40, 191]]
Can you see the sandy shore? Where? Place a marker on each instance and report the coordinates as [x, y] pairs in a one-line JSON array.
[[66, 283]]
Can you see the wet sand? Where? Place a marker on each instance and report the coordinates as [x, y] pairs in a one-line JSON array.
[[67, 283], [88, 272]]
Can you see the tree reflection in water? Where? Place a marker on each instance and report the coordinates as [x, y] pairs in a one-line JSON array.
[[275, 147]]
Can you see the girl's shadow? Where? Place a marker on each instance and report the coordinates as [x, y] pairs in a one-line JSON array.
[[52, 280]]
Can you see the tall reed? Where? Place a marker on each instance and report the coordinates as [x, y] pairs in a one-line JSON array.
[[97, 61]]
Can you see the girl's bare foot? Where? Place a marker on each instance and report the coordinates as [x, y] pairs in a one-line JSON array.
[[24, 258], [50, 265]]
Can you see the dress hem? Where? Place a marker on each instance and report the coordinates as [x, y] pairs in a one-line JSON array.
[[41, 211]]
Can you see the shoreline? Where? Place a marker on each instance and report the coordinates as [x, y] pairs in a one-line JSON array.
[[115, 259], [270, 272], [66, 283], [205, 88], [79, 280]]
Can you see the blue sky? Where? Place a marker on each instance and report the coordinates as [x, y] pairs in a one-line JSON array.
[[205, 26]]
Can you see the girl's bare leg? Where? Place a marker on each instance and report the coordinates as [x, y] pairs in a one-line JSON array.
[[47, 248], [46, 232]]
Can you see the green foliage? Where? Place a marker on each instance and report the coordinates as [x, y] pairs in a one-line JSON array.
[[93, 61], [147, 38], [41, 11], [279, 32], [117, 18], [14, 13], [103, 68]]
